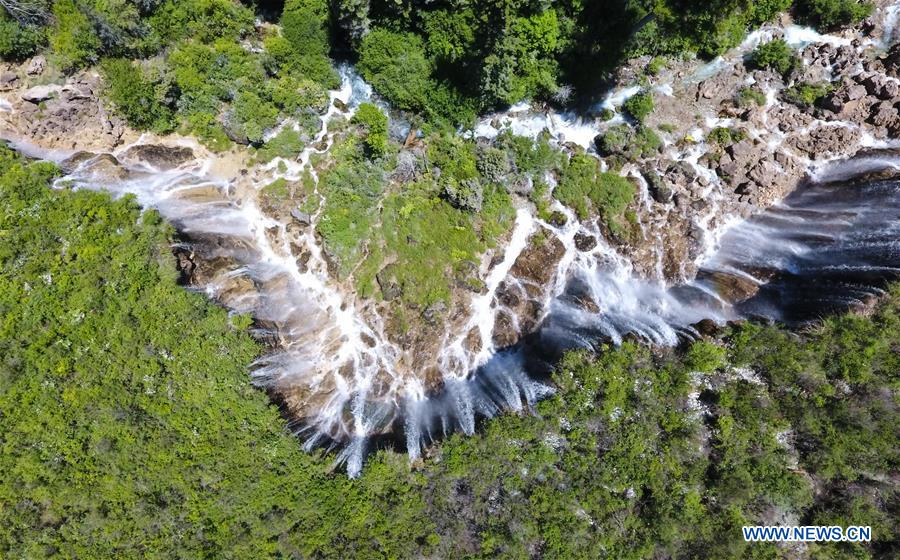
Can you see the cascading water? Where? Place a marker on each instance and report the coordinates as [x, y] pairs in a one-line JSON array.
[[831, 245]]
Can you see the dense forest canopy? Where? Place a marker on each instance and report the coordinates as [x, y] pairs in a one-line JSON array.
[[128, 427], [445, 60]]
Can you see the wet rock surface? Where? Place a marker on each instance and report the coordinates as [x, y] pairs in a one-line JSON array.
[[159, 156]]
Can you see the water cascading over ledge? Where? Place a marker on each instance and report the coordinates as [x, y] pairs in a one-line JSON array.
[[337, 375]]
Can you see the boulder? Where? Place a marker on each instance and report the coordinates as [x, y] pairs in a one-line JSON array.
[[159, 156], [8, 81], [302, 218], [884, 114], [38, 94], [585, 242], [537, 263], [656, 186], [36, 66], [388, 283]]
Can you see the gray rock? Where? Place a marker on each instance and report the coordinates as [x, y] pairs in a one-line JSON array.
[[8, 81], [388, 283], [36, 66], [38, 94], [585, 242], [659, 191], [884, 114], [159, 156], [300, 217], [434, 312]]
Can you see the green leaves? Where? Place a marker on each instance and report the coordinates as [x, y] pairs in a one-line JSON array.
[[776, 55]]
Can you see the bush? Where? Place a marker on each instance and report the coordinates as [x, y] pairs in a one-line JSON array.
[[304, 24], [395, 65], [656, 65], [751, 96], [375, 126], [627, 142], [253, 115], [136, 97], [18, 42], [807, 94], [639, 106], [832, 14], [586, 189], [286, 144], [724, 136], [776, 55], [73, 40]]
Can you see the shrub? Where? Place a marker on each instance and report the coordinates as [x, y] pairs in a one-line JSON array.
[[493, 164], [807, 94], [724, 136], [395, 65], [135, 96], [375, 125], [831, 14], [630, 143], [286, 144], [656, 65], [253, 115], [776, 55], [304, 24], [750, 95], [73, 40], [585, 188], [18, 42], [639, 106]]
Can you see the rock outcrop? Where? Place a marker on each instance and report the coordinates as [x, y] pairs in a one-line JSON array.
[[70, 116]]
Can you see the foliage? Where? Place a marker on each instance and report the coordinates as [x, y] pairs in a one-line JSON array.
[[304, 25], [136, 96], [152, 442], [656, 65], [807, 94], [286, 144], [375, 125], [17, 41], [630, 143], [73, 39], [588, 190], [639, 106], [724, 136], [776, 55], [832, 14], [749, 95]]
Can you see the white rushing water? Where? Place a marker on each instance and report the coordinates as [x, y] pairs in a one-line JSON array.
[[337, 372]]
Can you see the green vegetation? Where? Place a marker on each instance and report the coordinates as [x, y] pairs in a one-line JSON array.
[[724, 136], [639, 106], [656, 65], [749, 96], [136, 96], [626, 142], [588, 190], [832, 14], [806, 94], [202, 66], [776, 55], [153, 443], [17, 41], [375, 126], [413, 226], [288, 144]]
